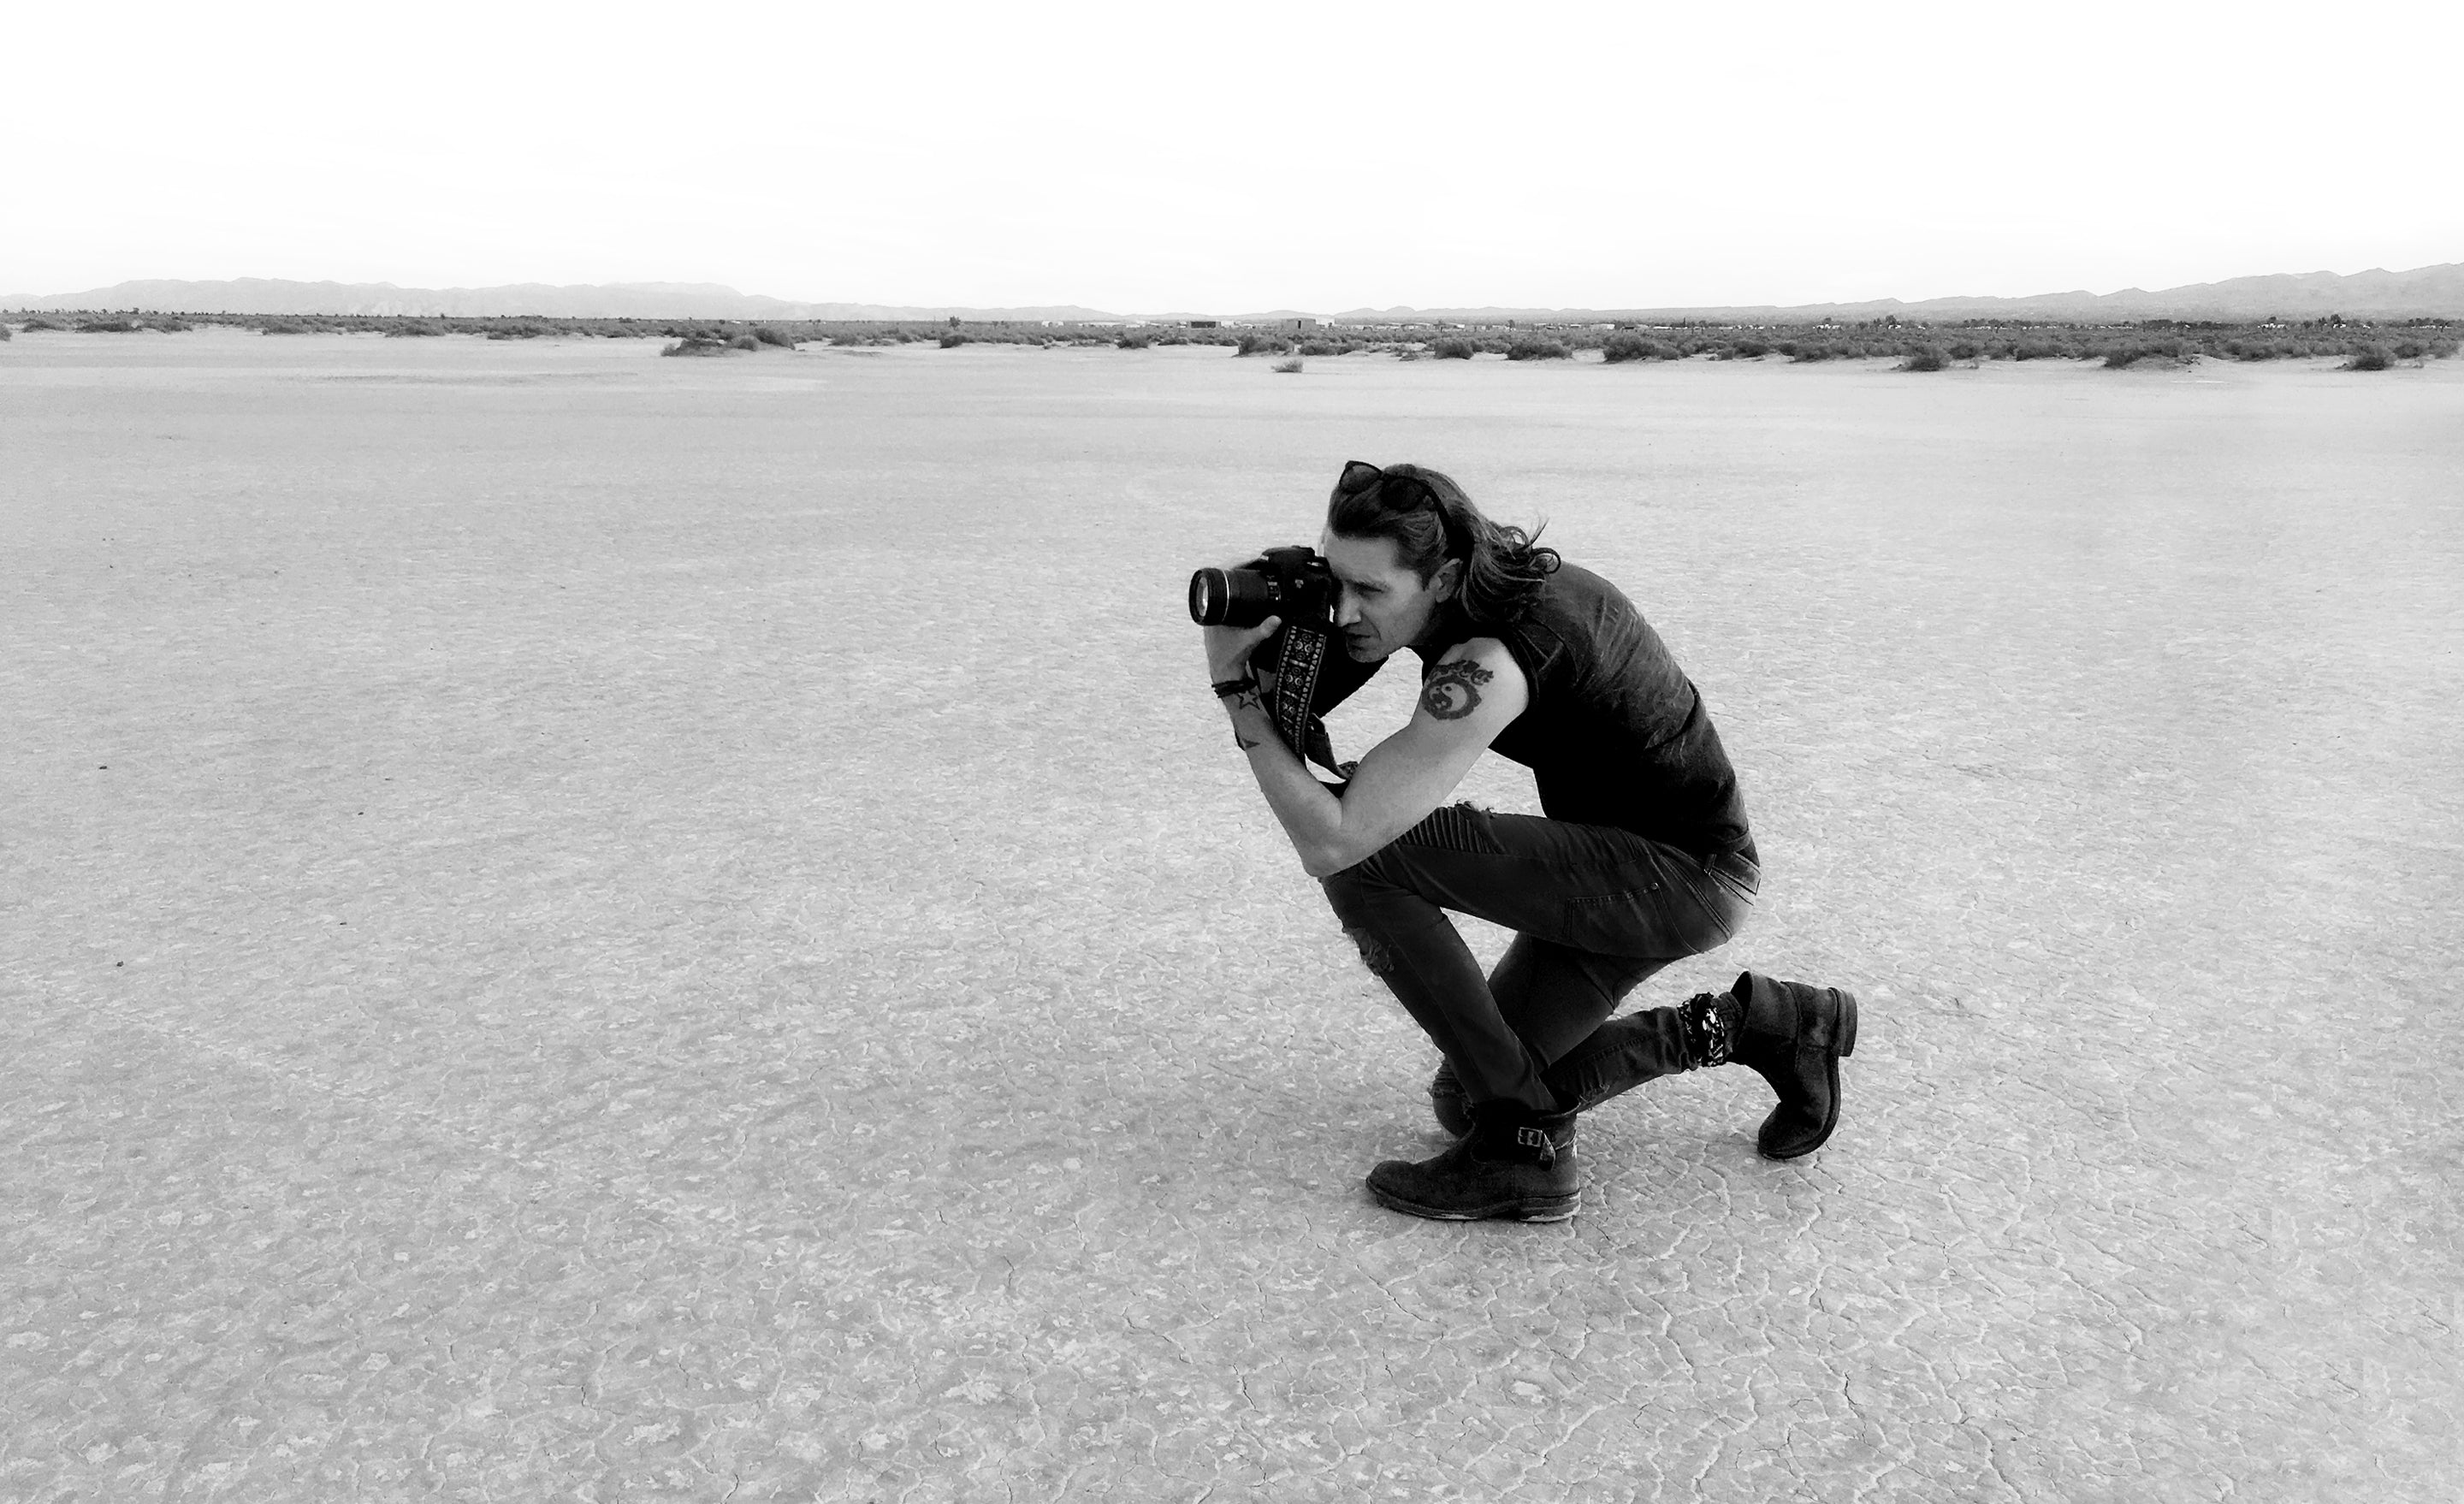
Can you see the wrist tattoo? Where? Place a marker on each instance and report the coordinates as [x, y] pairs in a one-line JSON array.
[[1453, 689], [1249, 698], [1244, 743]]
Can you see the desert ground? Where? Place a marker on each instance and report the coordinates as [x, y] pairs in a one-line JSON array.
[[576, 926]]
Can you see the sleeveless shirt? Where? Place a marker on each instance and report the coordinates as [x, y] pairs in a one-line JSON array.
[[1615, 734]]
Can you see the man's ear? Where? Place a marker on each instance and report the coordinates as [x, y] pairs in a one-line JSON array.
[[1449, 580]]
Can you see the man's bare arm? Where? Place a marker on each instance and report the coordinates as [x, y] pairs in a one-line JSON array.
[[1472, 694]]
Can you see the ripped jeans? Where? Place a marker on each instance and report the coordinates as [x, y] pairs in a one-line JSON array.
[[1595, 910]]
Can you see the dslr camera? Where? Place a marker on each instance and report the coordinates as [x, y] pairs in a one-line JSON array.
[[1311, 676], [1291, 583]]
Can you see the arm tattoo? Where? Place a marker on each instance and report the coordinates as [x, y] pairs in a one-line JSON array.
[[1248, 699], [1453, 690]]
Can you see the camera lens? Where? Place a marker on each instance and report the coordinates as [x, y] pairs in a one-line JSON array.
[[1210, 596], [1233, 597]]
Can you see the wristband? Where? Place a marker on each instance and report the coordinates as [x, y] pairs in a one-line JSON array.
[[1226, 689]]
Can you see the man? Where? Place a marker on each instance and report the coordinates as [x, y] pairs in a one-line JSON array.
[[1642, 858]]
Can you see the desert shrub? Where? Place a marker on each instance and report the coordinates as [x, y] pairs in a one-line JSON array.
[[2442, 349], [696, 344], [1924, 357], [2370, 358], [1289, 367], [1749, 350], [953, 340], [1452, 349], [5, 335], [283, 326], [39, 322], [1258, 342], [2035, 351], [770, 334], [412, 329], [2411, 349], [1531, 347], [1802, 350], [1966, 351], [1322, 347], [744, 342], [108, 326], [1135, 340], [2131, 353], [1625, 345], [844, 340]]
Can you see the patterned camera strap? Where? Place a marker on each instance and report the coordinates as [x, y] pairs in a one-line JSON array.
[[1296, 676]]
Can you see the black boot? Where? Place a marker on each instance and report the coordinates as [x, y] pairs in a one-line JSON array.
[[1792, 1035], [1515, 1163]]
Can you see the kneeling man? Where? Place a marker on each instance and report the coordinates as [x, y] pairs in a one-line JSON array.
[[1643, 855]]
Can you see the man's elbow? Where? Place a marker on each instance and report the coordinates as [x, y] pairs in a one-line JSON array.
[[1324, 861]]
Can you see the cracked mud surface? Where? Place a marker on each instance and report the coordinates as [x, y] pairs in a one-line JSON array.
[[576, 929]]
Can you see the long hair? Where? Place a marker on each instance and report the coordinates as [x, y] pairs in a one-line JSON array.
[[1431, 520]]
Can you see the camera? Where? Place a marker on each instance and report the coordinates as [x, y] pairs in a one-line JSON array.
[[1291, 583]]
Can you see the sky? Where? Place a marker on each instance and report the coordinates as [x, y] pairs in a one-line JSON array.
[[1148, 158]]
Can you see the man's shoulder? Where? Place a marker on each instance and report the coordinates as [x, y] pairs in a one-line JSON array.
[[1571, 609], [1571, 586], [1489, 650]]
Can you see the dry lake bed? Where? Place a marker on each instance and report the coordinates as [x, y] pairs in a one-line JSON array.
[[576, 926]]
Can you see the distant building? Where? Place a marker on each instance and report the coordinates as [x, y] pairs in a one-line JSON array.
[[1206, 323]]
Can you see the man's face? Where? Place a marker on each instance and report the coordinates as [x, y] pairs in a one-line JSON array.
[[1381, 605]]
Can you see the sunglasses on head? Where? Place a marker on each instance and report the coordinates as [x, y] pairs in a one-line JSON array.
[[1402, 493], [1411, 491]]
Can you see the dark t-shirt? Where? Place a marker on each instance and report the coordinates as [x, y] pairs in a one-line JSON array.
[[1615, 734]]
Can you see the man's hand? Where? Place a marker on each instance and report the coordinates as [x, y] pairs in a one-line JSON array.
[[1228, 648]]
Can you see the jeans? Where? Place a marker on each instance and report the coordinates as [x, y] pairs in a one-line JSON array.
[[1595, 910]]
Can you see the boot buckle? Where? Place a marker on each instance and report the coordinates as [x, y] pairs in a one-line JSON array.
[[1537, 1141]]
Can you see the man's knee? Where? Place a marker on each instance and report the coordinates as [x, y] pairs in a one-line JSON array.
[[1377, 952]]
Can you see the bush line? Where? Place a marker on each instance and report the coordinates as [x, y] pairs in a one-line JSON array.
[[2361, 345]]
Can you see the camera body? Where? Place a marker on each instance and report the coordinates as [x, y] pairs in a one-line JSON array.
[[1291, 583]]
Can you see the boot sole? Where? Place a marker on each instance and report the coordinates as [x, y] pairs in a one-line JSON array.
[[1523, 1208], [1847, 1047]]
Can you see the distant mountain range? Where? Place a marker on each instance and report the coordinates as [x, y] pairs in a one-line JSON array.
[[2429, 292]]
